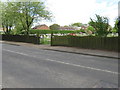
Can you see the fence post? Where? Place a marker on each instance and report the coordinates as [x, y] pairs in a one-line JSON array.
[[38, 38], [51, 37]]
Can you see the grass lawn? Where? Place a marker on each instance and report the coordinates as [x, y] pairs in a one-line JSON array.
[[45, 40]]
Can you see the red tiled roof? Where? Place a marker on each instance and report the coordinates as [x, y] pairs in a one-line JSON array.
[[41, 27], [67, 28]]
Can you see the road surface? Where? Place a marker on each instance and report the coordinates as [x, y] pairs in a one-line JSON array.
[[29, 67]]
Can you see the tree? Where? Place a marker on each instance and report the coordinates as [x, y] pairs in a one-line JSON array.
[[29, 12], [18, 28], [118, 25], [101, 25], [24, 14], [82, 31], [77, 24], [115, 28], [115, 25], [66, 25], [55, 27], [91, 28], [7, 16]]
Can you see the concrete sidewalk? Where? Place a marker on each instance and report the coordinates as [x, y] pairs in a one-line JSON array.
[[91, 52]]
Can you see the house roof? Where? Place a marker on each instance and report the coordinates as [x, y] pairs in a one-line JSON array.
[[67, 28], [43, 26]]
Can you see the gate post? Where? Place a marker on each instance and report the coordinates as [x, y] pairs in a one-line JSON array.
[[51, 37]]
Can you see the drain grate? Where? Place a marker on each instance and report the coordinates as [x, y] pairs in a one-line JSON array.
[[104, 84]]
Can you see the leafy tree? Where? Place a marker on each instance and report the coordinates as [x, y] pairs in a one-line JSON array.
[[66, 25], [115, 25], [28, 12], [118, 26], [91, 28], [77, 24], [82, 30], [23, 14], [55, 27], [115, 28], [7, 16], [18, 28], [101, 25]]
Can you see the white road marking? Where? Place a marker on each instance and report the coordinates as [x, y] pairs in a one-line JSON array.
[[81, 66]]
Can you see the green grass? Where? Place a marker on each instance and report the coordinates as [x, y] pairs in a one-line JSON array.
[[45, 40], [112, 35]]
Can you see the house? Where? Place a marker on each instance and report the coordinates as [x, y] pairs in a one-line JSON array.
[[67, 28], [1, 30], [41, 27], [84, 27]]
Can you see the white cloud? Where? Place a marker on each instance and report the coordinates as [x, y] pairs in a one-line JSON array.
[[71, 11], [110, 11]]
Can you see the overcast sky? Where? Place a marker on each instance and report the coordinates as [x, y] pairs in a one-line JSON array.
[[66, 12]]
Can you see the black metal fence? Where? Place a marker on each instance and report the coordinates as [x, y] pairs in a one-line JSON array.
[[101, 43], [21, 38]]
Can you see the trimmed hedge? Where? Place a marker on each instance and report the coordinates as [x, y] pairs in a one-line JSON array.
[[35, 31], [101, 43], [21, 38]]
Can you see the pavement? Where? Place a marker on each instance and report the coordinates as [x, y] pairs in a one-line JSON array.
[[91, 52]]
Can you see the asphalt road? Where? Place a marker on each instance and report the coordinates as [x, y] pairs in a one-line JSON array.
[[29, 67]]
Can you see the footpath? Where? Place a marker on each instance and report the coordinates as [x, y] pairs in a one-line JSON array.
[[91, 52]]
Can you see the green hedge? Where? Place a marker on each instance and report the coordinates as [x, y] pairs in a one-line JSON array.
[[101, 43], [34, 31]]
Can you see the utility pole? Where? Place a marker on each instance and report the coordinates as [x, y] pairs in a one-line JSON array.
[[118, 25]]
